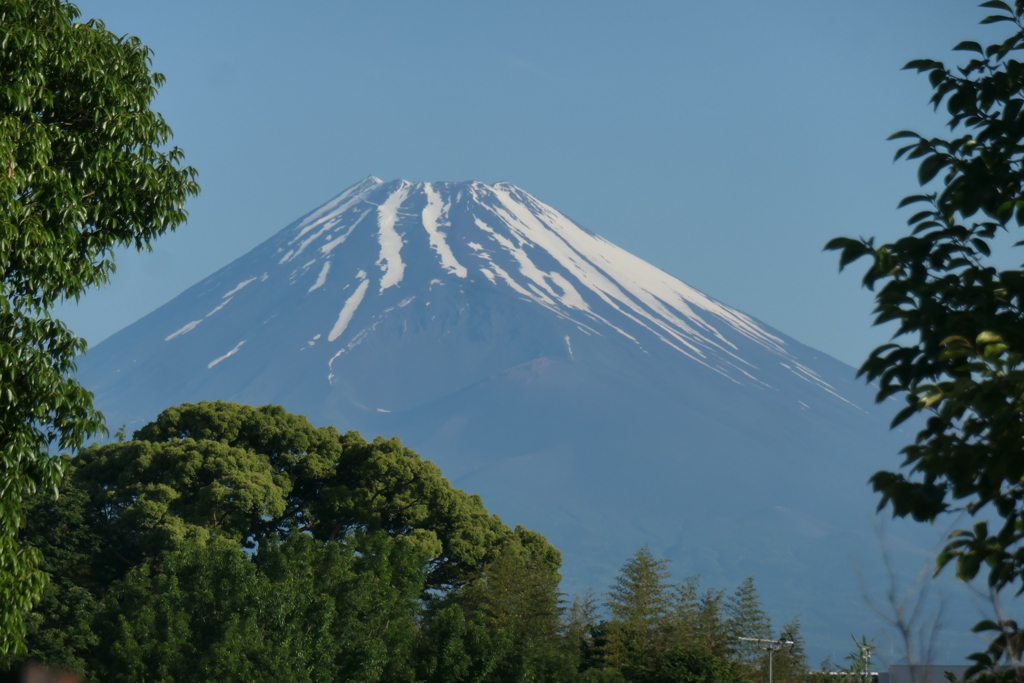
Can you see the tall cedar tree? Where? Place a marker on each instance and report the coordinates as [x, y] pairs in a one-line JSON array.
[[84, 169], [790, 662], [747, 620], [580, 631], [639, 602]]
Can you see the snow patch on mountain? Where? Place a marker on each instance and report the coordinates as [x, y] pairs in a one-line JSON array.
[[348, 310], [238, 287], [432, 213], [333, 209], [219, 306], [188, 327], [808, 375], [226, 355], [337, 241], [322, 277], [391, 242]]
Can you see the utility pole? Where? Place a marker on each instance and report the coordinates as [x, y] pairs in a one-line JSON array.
[[771, 646]]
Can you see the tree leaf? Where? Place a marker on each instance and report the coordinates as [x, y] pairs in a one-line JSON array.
[[903, 416], [914, 198], [923, 64], [970, 46], [993, 351], [930, 167], [86, 171], [903, 134], [955, 340]]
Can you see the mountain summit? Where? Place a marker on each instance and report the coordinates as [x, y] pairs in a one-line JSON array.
[[582, 391], [326, 284]]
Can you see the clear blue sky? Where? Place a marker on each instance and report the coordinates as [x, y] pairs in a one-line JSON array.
[[725, 142]]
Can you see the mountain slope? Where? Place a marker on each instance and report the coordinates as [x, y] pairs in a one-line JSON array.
[[583, 392]]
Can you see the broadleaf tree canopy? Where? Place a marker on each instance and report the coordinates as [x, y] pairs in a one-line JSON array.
[[958, 353], [224, 538], [84, 169]]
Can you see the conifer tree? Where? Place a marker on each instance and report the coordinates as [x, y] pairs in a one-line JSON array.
[[580, 630], [639, 601], [747, 619], [712, 624], [791, 662], [685, 614]]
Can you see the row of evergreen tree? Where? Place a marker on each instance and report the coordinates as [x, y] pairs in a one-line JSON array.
[[229, 543], [656, 630]]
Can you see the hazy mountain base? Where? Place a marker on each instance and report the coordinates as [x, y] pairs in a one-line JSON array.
[[720, 498]]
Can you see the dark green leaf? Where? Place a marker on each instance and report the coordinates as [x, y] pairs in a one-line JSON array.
[[986, 625], [912, 199], [840, 243], [903, 416], [930, 167], [903, 134], [969, 45], [923, 64], [920, 216]]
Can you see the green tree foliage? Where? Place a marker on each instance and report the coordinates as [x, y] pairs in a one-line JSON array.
[[959, 358], [251, 473], [306, 612], [712, 624], [517, 598], [226, 542], [859, 667], [747, 620], [660, 632], [232, 543], [639, 602], [503, 627], [60, 627], [580, 631], [83, 170], [790, 664]]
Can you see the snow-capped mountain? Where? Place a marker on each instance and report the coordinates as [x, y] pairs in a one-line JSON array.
[[581, 391]]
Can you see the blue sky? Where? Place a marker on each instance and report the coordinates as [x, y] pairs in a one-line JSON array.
[[722, 142]]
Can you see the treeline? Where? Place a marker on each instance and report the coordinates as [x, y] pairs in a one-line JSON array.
[[230, 543], [657, 631]]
